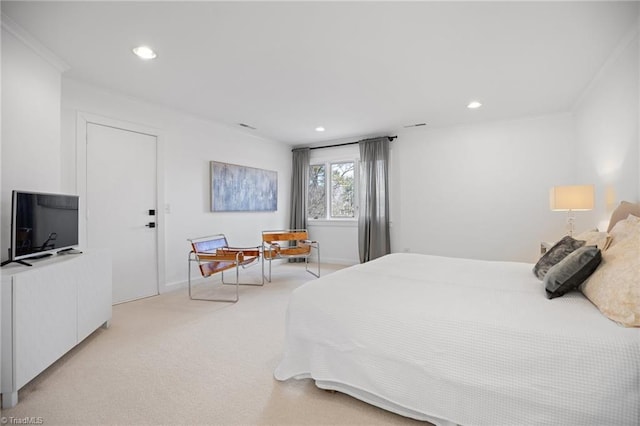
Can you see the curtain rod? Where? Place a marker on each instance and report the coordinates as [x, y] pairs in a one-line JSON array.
[[348, 143]]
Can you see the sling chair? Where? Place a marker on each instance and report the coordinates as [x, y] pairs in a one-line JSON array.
[[289, 244], [214, 255]]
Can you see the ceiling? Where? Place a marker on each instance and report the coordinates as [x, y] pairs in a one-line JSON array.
[[356, 68]]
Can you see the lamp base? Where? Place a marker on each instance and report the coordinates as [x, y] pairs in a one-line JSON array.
[[570, 222]]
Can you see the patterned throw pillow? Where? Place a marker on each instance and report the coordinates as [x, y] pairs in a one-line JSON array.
[[571, 271], [555, 254]]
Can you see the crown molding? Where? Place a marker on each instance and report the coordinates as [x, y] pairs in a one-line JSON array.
[[21, 34]]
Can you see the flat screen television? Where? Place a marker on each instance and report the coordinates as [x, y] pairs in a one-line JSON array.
[[42, 224]]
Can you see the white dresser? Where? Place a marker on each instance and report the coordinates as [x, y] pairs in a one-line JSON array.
[[46, 310]]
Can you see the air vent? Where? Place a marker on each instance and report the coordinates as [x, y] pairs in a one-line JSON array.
[[246, 126], [414, 125]]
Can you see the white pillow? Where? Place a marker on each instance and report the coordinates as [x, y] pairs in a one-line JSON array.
[[621, 212], [624, 229], [593, 238], [614, 287]]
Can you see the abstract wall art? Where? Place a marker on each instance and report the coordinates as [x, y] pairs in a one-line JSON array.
[[240, 189]]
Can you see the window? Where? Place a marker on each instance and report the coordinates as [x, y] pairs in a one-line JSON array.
[[342, 190], [317, 197], [340, 201]]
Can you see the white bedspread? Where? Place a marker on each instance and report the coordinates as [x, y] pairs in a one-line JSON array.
[[462, 341]]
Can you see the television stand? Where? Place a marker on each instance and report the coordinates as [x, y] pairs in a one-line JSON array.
[[46, 311], [22, 262], [69, 250], [41, 256]]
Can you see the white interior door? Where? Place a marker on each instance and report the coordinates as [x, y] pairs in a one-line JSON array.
[[121, 191]]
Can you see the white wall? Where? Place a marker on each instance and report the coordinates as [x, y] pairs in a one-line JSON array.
[[189, 144], [480, 191], [30, 125], [607, 141]]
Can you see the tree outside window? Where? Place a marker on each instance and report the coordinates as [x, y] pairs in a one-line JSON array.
[[342, 190], [317, 195], [340, 201]]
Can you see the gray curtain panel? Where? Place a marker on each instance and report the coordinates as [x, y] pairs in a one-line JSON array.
[[373, 220], [299, 183]]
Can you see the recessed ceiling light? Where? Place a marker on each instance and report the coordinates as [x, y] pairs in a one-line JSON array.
[[319, 129], [144, 52], [474, 105]]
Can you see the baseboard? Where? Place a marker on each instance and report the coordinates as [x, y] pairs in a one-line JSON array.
[[339, 261]]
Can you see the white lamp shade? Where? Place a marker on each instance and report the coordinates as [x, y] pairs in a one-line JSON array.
[[572, 197]]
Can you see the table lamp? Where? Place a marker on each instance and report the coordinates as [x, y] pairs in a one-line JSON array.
[[570, 199]]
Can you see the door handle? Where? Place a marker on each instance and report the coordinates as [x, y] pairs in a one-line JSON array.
[[151, 225]]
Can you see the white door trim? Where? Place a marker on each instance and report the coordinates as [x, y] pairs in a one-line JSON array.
[[82, 120]]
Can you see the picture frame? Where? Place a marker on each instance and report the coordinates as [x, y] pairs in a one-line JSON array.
[[236, 188]]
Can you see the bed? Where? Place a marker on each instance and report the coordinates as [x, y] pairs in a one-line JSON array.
[[460, 341]]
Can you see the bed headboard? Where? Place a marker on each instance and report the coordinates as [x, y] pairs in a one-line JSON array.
[[624, 209]]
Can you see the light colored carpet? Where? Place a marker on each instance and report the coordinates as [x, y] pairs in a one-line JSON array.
[[169, 360]]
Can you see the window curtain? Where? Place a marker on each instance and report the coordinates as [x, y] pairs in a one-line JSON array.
[[373, 220], [299, 183]]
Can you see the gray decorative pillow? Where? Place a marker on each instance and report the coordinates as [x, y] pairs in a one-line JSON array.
[[572, 271], [555, 254]]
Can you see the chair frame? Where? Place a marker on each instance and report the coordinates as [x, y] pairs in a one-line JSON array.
[[271, 250], [218, 257]]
